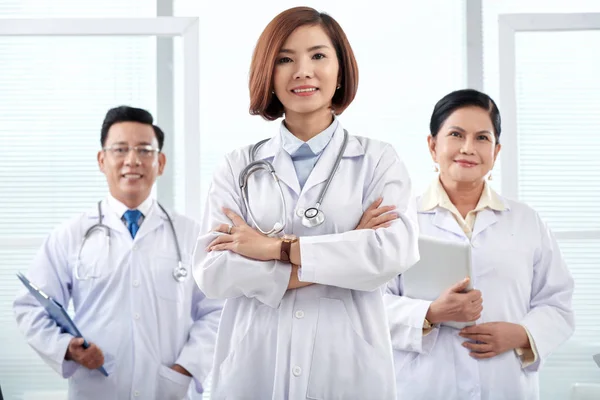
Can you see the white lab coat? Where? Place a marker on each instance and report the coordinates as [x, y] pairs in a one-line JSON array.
[[518, 267], [140, 317], [325, 341]]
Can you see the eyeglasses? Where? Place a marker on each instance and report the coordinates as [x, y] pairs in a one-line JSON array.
[[142, 151]]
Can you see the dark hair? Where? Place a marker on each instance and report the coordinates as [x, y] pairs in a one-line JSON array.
[[262, 101], [130, 114], [460, 99]]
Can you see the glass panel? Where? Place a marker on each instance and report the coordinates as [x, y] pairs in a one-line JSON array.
[[573, 363], [558, 98], [55, 94], [21, 368]]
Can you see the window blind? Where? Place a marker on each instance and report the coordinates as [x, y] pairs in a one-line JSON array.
[[558, 139], [558, 133], [55, 93]]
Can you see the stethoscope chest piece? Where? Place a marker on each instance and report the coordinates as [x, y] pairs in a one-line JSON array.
[[313, 217], [180, 274]]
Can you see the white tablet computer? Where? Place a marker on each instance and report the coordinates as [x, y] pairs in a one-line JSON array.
[[443, 263]]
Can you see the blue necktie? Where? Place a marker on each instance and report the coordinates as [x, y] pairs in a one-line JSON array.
[[132, 218]]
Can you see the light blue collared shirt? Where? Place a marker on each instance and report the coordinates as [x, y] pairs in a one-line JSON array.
[[306, 154]]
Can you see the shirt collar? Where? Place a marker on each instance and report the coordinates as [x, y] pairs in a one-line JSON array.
[[317, 144], [119, 208], [436, 196]]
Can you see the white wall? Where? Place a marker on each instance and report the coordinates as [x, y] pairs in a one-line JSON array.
[[409, 55]]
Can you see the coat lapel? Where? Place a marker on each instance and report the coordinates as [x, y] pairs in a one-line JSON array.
[[155, 219], [485, 218], [444, 219], [110, 219], [273, 152], [326, 162]]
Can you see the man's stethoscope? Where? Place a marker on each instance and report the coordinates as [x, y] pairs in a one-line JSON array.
[[180, 273], [312, 216]]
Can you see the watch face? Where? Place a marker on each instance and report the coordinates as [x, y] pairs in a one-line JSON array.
[[290, 238]]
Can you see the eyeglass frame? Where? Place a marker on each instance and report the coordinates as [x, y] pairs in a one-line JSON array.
[[137, 148]]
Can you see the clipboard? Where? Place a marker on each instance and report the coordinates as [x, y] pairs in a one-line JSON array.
[[56, 312]]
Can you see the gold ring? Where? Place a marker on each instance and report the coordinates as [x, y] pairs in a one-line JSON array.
[[229, 229]]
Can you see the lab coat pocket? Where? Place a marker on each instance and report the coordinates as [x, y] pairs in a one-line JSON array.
[[248, 370], [166, 286], [344, 365], [90, 275], [171, 384]]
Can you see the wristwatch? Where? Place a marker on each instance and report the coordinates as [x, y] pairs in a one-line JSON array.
[[286, 247], [427, 324]]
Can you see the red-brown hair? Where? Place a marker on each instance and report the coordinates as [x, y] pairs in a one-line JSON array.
[[262, 101]]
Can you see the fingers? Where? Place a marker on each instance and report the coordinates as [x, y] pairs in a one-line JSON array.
[[75, 344], [386, 225], [460, 286], [473, 310], [92, 357], [383, 219], [480, 329], [476, 317], [74, 349], [476, 337], [381, 210], [236, 219], [376, 216], [223, 228], [472, 315], [476, 314], [474, 295], [477, 302], [219, 240], [481, 356], [222, 246], [374, 205], [478, 347]]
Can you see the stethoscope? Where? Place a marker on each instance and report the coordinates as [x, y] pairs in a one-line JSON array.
[[312, 216], [180, 273]]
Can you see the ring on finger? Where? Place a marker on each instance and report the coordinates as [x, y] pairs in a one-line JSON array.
[[230, 227]]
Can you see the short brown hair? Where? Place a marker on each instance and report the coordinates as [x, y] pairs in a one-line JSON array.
[[262, 100]]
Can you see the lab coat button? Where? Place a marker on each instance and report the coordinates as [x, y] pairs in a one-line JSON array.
[[134, 248], [136, 283], [300, 212], [136, 316], [297, 371], [299, 314], [136, 393]]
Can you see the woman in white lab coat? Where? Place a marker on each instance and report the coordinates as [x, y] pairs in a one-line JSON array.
[[314, 326], [523, 289]]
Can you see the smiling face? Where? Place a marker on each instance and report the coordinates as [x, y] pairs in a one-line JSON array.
[[131, 175], [465, 147], [306, 72]]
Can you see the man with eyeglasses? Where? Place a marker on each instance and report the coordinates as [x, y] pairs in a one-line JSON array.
[[126, 265]]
